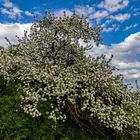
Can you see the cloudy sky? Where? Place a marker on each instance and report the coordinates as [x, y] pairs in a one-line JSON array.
[[120, 19]]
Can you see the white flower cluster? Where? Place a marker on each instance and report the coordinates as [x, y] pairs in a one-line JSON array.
[[86, 86]]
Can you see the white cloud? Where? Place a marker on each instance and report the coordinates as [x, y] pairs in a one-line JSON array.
[[11, 10], [104, 13], [113, 5], [135, 9], [16, 11], [5, 11], [60, 13], [90, 12], [136, 14], [8, 4], [37, 13], [126, 56], [130, 27], [87, 10], [113, 27], [99, 14], [130, 44], [10, 31], [28, 13], [109, 29], [108, 21], [121, 17]]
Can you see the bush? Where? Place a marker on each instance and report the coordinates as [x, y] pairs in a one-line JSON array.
[[16, 125]]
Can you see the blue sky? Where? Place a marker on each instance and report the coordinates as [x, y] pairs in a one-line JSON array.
[[120, 19], [123, 15]]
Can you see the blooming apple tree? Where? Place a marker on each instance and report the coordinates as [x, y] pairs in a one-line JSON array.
[[51, 66]]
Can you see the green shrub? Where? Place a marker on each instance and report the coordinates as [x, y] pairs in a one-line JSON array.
[[16, 125]]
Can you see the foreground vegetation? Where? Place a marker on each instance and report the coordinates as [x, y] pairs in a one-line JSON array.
[[49, 88]]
